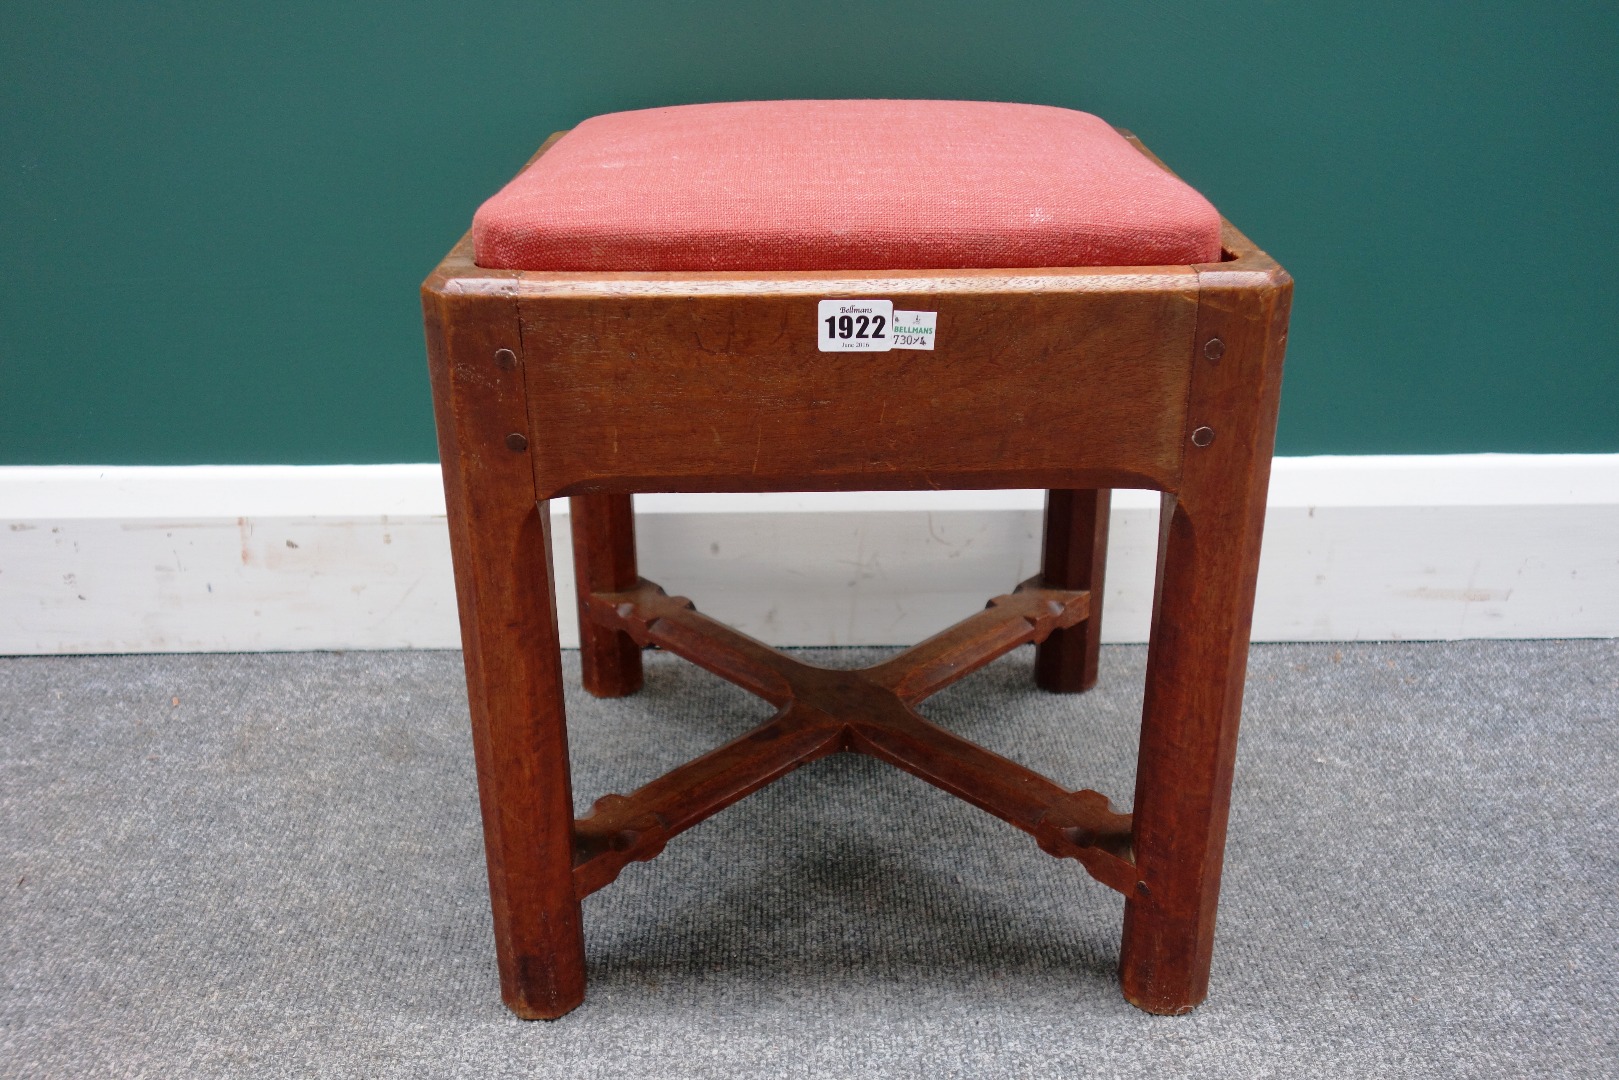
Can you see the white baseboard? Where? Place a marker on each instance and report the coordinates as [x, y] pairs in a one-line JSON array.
[[226, 558]]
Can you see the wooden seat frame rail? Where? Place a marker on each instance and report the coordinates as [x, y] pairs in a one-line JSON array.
[[1077, 380]]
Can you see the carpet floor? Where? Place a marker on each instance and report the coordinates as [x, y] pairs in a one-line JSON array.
[[271, 865]]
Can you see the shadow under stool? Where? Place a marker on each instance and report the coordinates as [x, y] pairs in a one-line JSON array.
[[853, 295]]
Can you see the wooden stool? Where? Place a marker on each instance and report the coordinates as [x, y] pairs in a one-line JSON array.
[[645, 309]]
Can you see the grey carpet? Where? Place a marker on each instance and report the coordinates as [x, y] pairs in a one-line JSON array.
[[271, 866]]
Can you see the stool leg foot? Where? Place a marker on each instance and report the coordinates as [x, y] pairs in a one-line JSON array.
[[604, 561], [1153, 974], [1073, 556]]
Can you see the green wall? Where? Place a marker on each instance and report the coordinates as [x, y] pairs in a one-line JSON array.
[[213, 217]]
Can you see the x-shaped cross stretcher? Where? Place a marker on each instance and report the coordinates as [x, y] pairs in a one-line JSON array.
[[823, 711]]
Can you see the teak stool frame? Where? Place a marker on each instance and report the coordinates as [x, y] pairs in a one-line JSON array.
[[1079, 380]]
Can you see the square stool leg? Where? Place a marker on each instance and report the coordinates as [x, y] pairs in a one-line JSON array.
[[1073, 555], [604, 562], [500, 541], [1208, 565], [1195, 668]]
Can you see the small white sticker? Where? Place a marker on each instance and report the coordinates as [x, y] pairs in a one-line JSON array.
[[914, 329], [855, 325]]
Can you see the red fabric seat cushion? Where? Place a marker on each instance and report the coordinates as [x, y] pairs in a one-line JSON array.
[[843, 185]]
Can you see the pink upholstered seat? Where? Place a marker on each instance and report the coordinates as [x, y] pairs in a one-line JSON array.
[[843, 185]]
